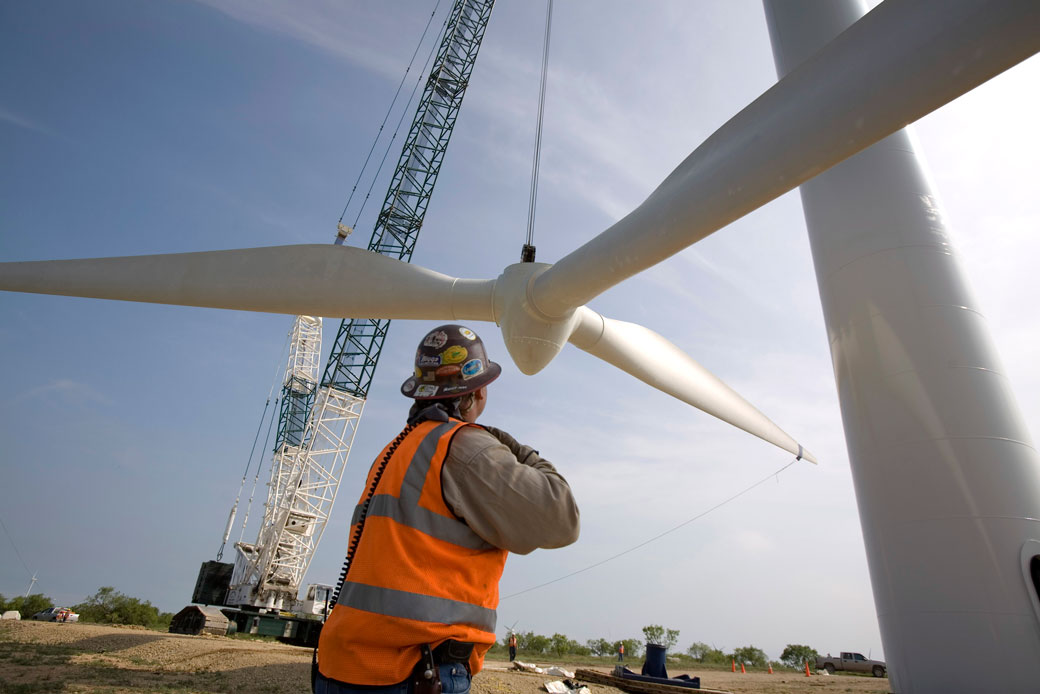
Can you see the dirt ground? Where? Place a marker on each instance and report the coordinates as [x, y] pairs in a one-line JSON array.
[[40, 657]]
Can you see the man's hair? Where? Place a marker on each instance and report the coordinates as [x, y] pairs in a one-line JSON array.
[[450, 406]]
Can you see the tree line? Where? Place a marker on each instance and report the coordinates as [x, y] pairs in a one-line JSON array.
[[109, 606], [106, 606], [530, 643]]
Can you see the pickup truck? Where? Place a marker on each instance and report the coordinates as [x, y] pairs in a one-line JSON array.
[[850, 662]]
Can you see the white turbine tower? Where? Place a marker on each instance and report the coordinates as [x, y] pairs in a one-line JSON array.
[[900, 62], [947, 477]]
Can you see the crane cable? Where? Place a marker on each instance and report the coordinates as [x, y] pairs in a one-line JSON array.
[[644, 543], [527, 255], [252, 451], [252, 492], [379, 133], [17, 553], [404, 113]]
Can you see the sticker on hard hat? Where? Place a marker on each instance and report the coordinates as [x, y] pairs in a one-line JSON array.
[[429, 360], [418, 372], [468, 334], [436, 340], [447, 371], [474, 367], [454, 354], [409, 384], [425, 391]]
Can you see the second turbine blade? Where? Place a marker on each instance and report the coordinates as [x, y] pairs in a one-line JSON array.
[[898, 63], [657, 362]]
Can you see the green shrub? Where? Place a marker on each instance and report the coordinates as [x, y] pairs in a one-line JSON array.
[[108, 606], [797, 656], [749, 655], [703, 653]]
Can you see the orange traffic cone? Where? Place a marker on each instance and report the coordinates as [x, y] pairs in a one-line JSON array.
[[807, 673], [742, 670], [733, 666], [770, 668]]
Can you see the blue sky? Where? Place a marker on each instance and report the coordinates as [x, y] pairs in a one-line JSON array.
[[130, 128]]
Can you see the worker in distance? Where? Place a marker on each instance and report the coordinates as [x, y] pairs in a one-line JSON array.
[[444, 503]]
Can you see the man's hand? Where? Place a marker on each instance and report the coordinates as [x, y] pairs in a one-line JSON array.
[[524, 454]]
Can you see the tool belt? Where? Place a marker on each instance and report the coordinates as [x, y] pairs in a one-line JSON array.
[[452, 651], [426, 678]]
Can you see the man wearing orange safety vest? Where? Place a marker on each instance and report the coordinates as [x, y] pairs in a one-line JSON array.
[[444, 503]]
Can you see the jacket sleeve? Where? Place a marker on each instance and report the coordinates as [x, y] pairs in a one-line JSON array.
[[507, 493]]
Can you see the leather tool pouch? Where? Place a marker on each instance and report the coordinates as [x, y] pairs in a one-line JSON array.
[[426, 679]]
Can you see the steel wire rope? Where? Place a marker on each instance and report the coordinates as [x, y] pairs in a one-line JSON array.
[[537, 159], [390, 109], [644, 543], [256, 437], [252, 493], [16, 552], [405, 112]]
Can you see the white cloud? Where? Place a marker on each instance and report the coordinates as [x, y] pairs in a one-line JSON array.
[[9, 116], [69, 392], [352, 33]]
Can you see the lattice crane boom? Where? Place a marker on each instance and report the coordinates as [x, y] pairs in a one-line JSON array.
[[268, 573]]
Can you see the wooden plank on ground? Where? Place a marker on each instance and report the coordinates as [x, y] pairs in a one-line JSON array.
[[637, 687]]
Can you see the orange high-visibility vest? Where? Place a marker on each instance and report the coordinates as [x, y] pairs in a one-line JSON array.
[[419, 574]]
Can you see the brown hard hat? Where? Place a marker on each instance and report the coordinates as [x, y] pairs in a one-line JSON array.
[[450, 362]]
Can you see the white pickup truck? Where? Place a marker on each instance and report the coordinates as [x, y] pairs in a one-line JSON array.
[[850, 662]]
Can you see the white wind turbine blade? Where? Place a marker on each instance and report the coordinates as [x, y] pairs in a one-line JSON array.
[[901, 61], [346, 282], [657, 362], [317, 280]]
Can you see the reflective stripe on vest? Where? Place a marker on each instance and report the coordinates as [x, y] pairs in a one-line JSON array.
[[405, 509], [398, 603]]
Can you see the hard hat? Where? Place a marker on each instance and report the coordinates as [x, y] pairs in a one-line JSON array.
[[450, 362]]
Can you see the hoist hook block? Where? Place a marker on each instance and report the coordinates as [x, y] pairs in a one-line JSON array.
[[342, 232]]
